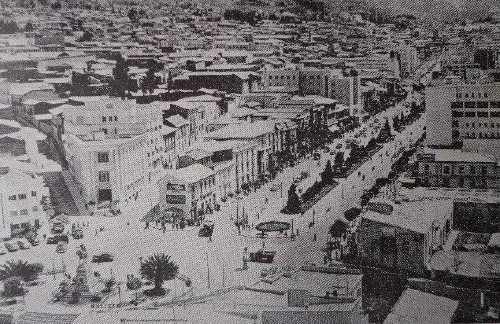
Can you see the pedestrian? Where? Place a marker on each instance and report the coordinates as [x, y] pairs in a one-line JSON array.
[[210, 238], [147, 224], [297, 232], [164, 230], [314, 237]]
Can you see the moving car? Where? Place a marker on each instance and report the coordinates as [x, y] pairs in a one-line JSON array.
[[57, 238], [11, 246], [103, 257], [23, 244], [61, 247]]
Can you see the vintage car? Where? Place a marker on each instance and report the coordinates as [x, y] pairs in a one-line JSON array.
[[262, 256]]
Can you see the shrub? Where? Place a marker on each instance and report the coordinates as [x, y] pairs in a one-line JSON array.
[[134, 283], [13, 287]]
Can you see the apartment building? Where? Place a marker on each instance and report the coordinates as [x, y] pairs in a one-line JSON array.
[[463, 113], [21, 195], [114, 148]]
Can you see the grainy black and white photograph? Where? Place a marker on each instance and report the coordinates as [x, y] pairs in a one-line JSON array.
[[249, 161]]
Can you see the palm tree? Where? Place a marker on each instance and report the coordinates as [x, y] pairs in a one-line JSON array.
[[23, 269], [159, 268]]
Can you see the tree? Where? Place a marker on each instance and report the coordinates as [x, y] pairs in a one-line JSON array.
[[395, 122], [121, 82], [339, 159], [352, 213], [338, 228], [133, 15], [29, 27], [56, 5], [159, 268], [22, 269], [13, 287], [149, 81], [385, 132], [327, 174], [86, 37], [293, 202]]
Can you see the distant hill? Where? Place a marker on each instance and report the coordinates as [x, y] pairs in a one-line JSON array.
[[429, 11]]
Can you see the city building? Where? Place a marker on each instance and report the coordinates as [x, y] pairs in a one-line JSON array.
[[114, 148], [457, 169], [189, 192], [21, 195], [463, 113], [403, 236]]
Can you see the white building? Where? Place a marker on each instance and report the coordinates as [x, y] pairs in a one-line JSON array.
[[114, 148], [20, 200], [463, 113]]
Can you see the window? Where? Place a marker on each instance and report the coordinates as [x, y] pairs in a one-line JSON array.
[[466, 95], [21, 196], [110, 118], [470, 104], [482, 104], [457, 114], [103, 119], [484, 169], [103, 176], [24, 212], [446, 169], [495, 114], [13, 213], [470, 114], [426, 167], [482, 114], [472, 169], [486, 95], [33, 194], [461, 169], [13, 197], [102, 157], [454, 123], [494, 104], [105, 131], [457, 104], [116, 118]]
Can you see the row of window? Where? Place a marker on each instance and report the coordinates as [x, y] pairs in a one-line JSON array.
[[22, 212], [475, 114], [481, 135], [472, 95], [475, 104], [461, 169], [103, 176], [21, 196], [455, 123], [109, 119]]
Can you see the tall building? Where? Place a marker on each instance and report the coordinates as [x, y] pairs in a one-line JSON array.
[[114, 148], [21, 195], [465, 114]]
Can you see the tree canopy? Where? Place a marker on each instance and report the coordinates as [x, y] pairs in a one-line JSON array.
[[159, 268]]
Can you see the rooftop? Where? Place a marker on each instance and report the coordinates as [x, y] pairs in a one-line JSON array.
[[416, 215], [419, 307], [451, 155]]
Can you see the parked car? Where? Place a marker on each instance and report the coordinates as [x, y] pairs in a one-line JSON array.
[[61, 247], [206, 229], [23, 244], [339, 146], [57, 227], [57, 238], [33, 240], [11, 246], [77, 233], [3, 250], [103, 257], [316, 156]]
